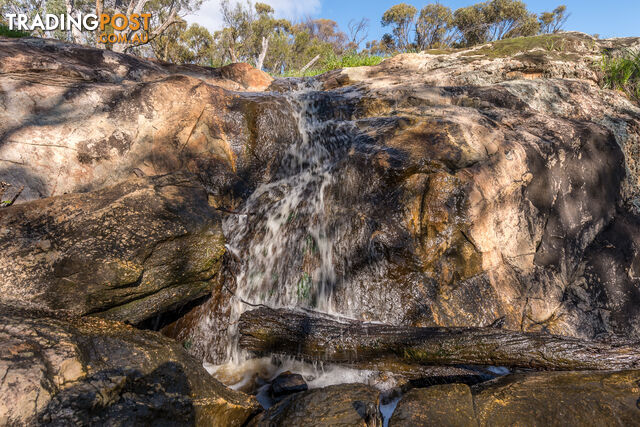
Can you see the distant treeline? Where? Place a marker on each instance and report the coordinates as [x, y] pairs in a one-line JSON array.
[[253, 34]]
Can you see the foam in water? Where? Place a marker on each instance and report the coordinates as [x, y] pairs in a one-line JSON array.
[[317, 375]]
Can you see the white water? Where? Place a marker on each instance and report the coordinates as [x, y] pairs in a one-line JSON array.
[[316, 375], [280, 240]]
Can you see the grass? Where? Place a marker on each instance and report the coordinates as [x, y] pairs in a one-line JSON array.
[[622, 72], [6, 32], [336, 62]]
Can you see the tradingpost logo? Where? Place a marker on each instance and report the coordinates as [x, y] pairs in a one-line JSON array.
[[125, 27]]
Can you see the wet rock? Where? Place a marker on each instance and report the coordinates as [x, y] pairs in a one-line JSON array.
[[612, 274], [571, 398], [440, 405], [94, 371], [466, 188], [344, 404], [473, 191], [129, 252], [536, 399], [287, 383]]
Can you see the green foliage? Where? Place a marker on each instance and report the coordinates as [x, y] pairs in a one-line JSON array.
[[184, 45], [434, 28], [6, 32], [495, 20], [552, 22], [622, 73], [304, 286], [438, 27], [471, 24], [401, 18], [352, 60]]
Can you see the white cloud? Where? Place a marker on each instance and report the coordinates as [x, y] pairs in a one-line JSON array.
[[209, 14]]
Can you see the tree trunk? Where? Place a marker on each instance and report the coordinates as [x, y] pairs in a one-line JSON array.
[[263, 53], [99, 9], [314, 336], [309, 64], [232, 55], [75, 32]]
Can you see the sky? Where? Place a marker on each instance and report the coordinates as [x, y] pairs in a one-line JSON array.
[[613, 18]]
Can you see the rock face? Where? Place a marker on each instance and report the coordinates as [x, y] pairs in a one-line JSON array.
[[467, 188], [75, 119], [541, 399], [128, 252], [287, 383], [479, 192], [87, 371], [440, 405]]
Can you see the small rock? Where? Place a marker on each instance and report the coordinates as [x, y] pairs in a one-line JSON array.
[[287, 383]]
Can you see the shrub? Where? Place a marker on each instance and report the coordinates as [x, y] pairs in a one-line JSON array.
[[6, 32], [335, 62], [622, 72]]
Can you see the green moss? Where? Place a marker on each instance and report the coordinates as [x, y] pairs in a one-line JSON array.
[[555, 43], [304, 286]]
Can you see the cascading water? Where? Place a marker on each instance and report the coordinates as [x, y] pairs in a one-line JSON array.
[[281, 241]]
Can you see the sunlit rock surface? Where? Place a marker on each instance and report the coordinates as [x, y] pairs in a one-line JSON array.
[[465, 188]]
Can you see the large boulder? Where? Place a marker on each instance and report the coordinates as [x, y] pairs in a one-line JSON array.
[[45, 59], [89, 371], [537, 399], [439, 405], [480, 188], [74, 119], [146, 246]]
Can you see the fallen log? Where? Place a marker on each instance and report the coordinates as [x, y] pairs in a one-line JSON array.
[[314, 336]]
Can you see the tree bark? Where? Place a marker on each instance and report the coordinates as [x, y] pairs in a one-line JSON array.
[[314, 336], [232, 54], [263, 53]]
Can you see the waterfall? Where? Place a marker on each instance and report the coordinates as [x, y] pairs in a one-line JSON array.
[[282, 240]]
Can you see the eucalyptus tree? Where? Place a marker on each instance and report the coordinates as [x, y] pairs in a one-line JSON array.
[[401, 17]]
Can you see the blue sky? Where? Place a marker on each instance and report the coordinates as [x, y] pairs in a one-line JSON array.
[[614, 18]]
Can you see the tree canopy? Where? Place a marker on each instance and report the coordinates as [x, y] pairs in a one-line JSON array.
[[253, 33]]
